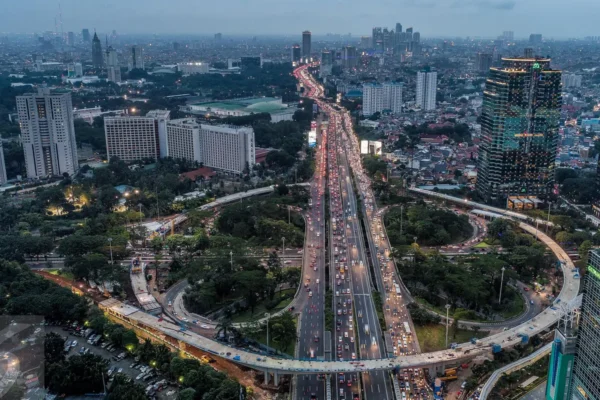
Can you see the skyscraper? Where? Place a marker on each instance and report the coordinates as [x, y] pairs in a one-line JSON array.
[[226, 148], [3, 178], [519, 129], [426, 90], [535, 38], [48, 133], [584, 384], [306, 45], [97, 57], [137, 58], [350, 57], [326, 63], [484, 62], [408, 34], [398, 28], [85, 35], [296, 53], [377, 39], [365, 42], [70, 38]]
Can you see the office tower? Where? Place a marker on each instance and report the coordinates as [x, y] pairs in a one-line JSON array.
[[218, 36], [535, 38], [484, 62], [365, 42], [349, 57], [227, 148], [251, 62], [519, 129], [111, 57], [132, 138], [377, 98], [3, 177], [183, 139], [306, 45], [161, 117], [70, 38], [571, 80], [47, 133], [388, 39], [416, 37], [113, 74], [75, 70], [113, 71], [509, 36], [137, 58], [408, 35], [377, 39], [326, 63], [97, 57], [426, 90], [398, 28], [584, 383], [560, 367], [85, 35], [296, 53]]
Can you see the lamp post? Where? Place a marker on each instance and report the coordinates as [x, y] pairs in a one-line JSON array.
[[283, 248], [110, 246], [268, 320], [140, 205], [288, 207], [447, 322], [501, 282]]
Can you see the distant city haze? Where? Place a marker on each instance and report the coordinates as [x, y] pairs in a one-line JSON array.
[[483, 18]]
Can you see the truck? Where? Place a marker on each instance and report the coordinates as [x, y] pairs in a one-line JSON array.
[[406, 328], [496, 348], [367, 331]]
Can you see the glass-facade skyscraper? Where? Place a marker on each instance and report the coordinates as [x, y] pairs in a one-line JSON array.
[[519, 130], [585, 383]]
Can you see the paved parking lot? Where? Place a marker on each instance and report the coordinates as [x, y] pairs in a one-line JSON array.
[[124, 364]]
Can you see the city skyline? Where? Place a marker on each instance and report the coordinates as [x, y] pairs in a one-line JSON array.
[[482, 18]]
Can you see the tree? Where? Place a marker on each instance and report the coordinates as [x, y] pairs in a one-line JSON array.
[[123, 388], [77, 375], [54, 346], [187, 394], [584, 250]]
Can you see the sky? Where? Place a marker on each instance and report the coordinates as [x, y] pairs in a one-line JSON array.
[[433, 18]]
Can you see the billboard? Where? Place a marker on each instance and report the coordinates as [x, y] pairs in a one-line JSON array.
[[312, 138], [364, 147], [371, 147]]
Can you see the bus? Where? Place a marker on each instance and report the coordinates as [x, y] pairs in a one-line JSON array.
[[398, 293], [406, 328]]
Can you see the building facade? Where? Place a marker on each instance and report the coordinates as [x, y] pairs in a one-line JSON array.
[[85, 35], [296, 54], [97, 56], [571, 80], [349, 57], [519, 129], [585, 384], [227, 148], [183, 137], [426, 90], [377, 98], [136, 60], [191, 68], [161, 117], [306, 45], [47, 133], [484, 62]]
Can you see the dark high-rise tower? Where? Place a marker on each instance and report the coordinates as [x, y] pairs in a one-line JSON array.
[[306, 43], [97, 59], [519, 129], [296, 53], [484, 62], [85, 34]]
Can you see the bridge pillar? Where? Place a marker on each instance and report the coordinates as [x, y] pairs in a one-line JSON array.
[[267, 377], [275, 378]]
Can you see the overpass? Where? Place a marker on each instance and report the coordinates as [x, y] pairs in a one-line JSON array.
[[176, 337]]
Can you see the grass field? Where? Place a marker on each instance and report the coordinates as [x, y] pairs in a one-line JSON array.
[[260, 310], [60, 272], [433, 337]]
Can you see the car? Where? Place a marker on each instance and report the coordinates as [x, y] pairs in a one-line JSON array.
[[354, 356]]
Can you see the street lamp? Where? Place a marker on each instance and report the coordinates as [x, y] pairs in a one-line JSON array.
[[110, 246], [283, 248], [447, 322], [501, 282], [268, 316], [140, 205]]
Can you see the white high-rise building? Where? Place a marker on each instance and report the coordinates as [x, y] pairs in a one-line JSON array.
[[227, 148], [571, 80], [161, 117], [113, 74], [48, 133], [392, 97], [132, 138], [426, 90], [377, 98], [3, 177], [137, 58], [183, 138]]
